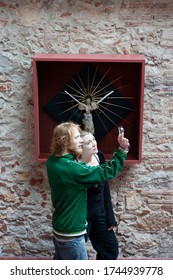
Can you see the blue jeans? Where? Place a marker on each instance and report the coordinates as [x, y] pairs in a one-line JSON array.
[[70, 250]]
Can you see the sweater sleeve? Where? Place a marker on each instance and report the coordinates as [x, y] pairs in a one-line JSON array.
[[91, 175]]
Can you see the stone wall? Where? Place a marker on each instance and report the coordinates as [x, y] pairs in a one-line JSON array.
[[142, 194]]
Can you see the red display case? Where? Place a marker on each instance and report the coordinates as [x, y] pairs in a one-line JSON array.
[[123, 74]]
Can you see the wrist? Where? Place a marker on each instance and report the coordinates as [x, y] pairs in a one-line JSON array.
[[125, 150]]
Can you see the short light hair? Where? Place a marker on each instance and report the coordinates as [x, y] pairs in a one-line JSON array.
[[83, 133], [62, 136]]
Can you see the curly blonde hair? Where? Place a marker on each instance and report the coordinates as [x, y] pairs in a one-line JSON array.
[[62, 136]]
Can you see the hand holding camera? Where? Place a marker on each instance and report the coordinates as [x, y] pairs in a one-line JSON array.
[[123, 142]]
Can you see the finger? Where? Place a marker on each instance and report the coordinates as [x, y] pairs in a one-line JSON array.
[[121, 136]]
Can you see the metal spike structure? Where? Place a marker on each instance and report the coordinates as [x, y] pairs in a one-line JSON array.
[[90, 100]]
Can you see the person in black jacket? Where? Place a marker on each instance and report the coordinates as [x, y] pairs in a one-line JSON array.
[[101, 219]]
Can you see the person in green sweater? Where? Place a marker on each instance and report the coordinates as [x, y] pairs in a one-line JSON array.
[[69, 181]]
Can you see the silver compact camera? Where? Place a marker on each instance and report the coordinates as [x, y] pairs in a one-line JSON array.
[[120, 129]]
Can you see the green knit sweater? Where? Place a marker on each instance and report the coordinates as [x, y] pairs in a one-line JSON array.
[[69, 180]]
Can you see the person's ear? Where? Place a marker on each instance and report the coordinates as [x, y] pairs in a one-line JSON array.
[[66, 143]]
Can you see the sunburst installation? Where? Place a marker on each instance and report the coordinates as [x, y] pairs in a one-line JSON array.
[[92, 101]]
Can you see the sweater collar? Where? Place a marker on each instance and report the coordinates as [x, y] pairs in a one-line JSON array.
[[67, 156]]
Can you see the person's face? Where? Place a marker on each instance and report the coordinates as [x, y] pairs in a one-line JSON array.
[[75, 145], [89, 144]]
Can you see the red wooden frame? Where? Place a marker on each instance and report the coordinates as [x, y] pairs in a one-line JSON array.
[[51, 71]]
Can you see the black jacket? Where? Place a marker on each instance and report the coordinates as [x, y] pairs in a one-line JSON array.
[[99, 199]]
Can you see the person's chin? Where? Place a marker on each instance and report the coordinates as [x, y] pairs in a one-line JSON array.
[[78, 152]]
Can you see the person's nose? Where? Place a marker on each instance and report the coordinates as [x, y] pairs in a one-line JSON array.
[[94, 143]]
